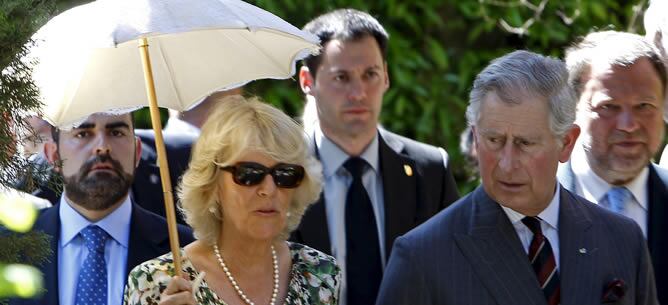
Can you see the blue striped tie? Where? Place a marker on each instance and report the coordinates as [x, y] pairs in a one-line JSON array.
[[92, 283], [617, 198]]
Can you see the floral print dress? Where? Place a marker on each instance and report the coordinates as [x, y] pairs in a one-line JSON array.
[[314, 279]]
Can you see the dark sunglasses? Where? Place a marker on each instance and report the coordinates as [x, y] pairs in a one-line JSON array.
[[251, 173]]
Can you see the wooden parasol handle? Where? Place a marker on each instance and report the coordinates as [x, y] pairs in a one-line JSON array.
[[162, 156]]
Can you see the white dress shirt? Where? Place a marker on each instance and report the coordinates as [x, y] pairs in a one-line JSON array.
[[594, 188], [72, 250], [549, 224], [337, 180], [178, 126]]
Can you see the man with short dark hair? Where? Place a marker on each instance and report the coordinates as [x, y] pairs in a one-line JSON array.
[[378, 185], [620, 82], [521, 238], [98, 233]]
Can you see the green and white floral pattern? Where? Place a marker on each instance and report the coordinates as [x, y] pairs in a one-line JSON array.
[[314, 279]]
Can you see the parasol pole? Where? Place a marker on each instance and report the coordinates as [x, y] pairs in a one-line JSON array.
[[162, 155]]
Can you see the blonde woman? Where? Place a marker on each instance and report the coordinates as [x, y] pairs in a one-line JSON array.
[[248, 183]]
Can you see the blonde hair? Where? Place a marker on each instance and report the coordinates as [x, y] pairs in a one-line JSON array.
[[238, 125]]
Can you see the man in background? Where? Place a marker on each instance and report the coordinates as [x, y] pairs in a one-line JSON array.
[[378, 185], [620, 84]]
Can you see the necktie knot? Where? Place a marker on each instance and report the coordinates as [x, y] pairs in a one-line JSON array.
[[355, 166], [94, 237], [617, 197], [533, 223]]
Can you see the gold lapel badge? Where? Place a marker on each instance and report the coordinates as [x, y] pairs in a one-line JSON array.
[[408, 170]]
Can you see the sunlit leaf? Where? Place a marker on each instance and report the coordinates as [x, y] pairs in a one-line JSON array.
[[16, 212], [19, 281]]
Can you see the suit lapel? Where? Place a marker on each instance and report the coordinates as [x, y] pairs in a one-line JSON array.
[[657, 226], [145, 240], [51, 226], [313, 230], [399, 189], [577, 247], [658, 198], [496, 254]]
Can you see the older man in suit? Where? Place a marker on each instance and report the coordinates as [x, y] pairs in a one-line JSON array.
[[521, 238], [98, 233], [378, 185], [620, 83]]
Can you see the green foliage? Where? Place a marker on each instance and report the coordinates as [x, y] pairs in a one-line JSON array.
[[28, 248], [437, 47], [18, 95]]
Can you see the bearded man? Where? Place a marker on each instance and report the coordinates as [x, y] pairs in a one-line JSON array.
[[98, 233]]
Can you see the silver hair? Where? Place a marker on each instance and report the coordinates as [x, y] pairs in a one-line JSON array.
[[524, 76], [605, 47]]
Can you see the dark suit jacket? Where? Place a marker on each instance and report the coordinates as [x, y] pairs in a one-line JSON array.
[[470, 254], [147, 186], [409, 200], [148, 239], [657, 221]]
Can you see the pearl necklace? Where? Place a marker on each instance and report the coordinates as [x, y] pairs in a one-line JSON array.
[[234, 282]]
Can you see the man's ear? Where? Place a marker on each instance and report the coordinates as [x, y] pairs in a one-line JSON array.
[[568, 142], [387, 77], [474, 144], [306, 80], [137, 151], [51, 154]]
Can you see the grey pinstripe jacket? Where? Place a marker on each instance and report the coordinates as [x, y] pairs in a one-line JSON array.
[[470, 254]]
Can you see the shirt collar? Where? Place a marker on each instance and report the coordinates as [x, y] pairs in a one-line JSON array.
[[332, 156], [116, 224], [595, 188], [550, 215]]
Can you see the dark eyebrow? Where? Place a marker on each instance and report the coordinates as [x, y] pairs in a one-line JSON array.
[[85, 126], [114, 125]]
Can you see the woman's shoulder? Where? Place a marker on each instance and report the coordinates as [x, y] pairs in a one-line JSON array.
[[308, 257], [316, 276], [153, 271]]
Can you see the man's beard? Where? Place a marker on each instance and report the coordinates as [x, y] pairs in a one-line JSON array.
[[99, 191]]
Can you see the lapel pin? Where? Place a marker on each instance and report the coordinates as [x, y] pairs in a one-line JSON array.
[[408, 170], [582, 251]]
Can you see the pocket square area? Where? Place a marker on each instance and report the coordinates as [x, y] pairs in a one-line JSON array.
[[613, 291]]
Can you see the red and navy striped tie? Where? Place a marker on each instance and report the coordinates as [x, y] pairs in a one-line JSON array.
[[543, 262]]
